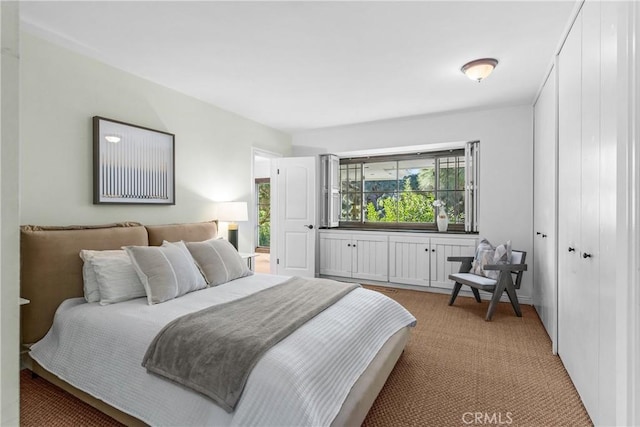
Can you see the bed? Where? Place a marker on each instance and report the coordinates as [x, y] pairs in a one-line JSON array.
[[321, 377]]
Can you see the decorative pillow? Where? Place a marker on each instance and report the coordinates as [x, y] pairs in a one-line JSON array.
[[502, 255], [89, 280], [219, 261], [166, 271], [115, 276], [484, 255]]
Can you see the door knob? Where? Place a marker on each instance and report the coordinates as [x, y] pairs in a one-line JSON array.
[[586, 255], [310, 226], [572, 249]]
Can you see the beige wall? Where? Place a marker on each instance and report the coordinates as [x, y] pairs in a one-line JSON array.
[[61, 91]]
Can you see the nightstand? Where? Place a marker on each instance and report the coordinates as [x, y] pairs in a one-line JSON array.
[[249, 257]]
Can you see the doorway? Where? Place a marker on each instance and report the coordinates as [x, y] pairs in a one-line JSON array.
[[261, 209]]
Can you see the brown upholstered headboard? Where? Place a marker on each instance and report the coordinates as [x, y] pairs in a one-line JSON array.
[[51, 268]]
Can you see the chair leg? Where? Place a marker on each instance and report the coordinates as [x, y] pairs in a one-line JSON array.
[[513, 297], [454, 293], [476, 294], [497, 292]]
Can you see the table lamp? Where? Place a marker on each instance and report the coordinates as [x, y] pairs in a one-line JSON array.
[[232, 212]]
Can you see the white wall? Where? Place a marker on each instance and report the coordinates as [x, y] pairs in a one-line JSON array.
[[9, 236], [506, 161], [60, 92]]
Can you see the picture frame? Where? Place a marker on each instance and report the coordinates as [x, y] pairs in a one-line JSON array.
[[132, 164]]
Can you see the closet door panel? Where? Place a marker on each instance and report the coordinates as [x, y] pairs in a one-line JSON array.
[[572, 347], [609, 255], [588, 297]]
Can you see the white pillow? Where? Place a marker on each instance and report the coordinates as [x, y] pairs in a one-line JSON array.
[[89, 280], [219, 261], [114, 274], [166, 272]]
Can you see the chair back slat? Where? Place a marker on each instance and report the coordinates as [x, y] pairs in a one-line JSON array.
[[518, 257]]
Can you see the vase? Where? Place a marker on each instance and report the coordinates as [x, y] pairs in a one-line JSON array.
[[442, 220]]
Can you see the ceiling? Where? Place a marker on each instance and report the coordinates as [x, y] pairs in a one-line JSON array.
[[297, 66]]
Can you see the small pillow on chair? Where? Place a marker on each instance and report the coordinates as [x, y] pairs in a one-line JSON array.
[[502, 255], [484, 256]]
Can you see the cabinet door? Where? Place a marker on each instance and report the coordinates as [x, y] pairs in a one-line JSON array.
[[588, 297], [578, 101], [335, 254], [439, 267], [409, 260], [370, 257]]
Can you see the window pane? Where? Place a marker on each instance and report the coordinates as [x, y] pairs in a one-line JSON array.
[[418, 174], [354, 203], [380, 176], [381, 208], [414, 206], [264, 214], [355, 178], [448, 173], [344, 181]]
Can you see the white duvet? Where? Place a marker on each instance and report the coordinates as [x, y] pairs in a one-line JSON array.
[[302, 381]]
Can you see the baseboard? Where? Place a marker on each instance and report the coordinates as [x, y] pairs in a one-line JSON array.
[[522, 299]]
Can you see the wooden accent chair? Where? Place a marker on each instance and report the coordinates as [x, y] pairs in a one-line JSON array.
[[508, 280]]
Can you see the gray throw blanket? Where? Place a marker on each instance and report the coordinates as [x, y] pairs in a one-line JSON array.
[[212, 351]]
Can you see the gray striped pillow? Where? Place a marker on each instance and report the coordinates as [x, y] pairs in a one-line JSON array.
[[219, 261], [166, 271]]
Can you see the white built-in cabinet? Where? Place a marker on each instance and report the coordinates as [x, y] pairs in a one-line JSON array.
[[355, 255], [586, 205], [418, 259], [422, 261]]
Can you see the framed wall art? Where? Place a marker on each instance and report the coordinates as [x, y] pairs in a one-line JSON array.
[[132, 164]]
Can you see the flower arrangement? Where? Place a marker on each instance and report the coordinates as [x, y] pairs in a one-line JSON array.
[[439, 204]]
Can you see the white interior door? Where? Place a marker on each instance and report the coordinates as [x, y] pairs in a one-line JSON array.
[[294, 209]]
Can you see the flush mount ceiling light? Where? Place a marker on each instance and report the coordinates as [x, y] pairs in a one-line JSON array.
[[112, 138], [479, 69]]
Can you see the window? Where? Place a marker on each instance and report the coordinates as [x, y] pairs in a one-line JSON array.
[[398, 191], [263, 190]]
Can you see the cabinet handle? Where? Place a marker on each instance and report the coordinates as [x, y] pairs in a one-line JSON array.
[[433, 250], [354, 245], [349, 244], [544, 235], [426, 249], [572, 249], [586, 255], [538, 233]]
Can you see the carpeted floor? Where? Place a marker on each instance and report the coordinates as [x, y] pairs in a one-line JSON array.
[[457, 370]]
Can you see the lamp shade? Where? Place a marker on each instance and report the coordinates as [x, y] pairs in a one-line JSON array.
[[479, 69], [231, 211]]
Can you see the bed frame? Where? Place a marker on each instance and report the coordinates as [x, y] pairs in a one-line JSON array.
[[51, 272]]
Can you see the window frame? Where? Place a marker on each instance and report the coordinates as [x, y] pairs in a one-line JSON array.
[[258, 182], [381, 225]]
